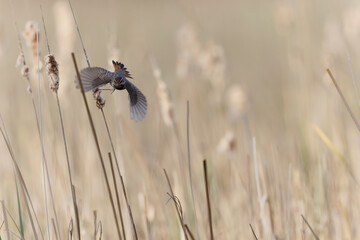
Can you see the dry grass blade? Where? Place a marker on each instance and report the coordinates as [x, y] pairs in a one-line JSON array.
[[23, 185], [332, 147], [97, 145], [346, 220], [116, 160], [100, 230], [55, 88], [97, 227], [311, 229], [253, 232], [117, 196], [261, 197], [353, 76], [189, 232], [189, 165], [5, 220], [54, 227], [344, 100], [46, 176], [95, 223], [76, 209], [129, 208], [2, 224], [208, 200], [179, 212], [78, 30], [70, 230], [14, 222]]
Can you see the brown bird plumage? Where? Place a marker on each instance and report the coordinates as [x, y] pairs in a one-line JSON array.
[[96, 77]]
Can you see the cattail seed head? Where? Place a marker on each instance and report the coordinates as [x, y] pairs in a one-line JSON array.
[[237, 102], [100, 101], [31, 34], [29, 90], [189, 47], [227, 143], [146, 207], [212, 64], [25, 71], [52, 72], [351, 24], [167, 106], [20, 60], [165, 101]]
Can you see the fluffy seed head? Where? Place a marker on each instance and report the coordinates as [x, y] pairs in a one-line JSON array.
[[351, 24], [20, 60], [146, 207], [52, 72], [188, 49], [25, 71], [212, 64], [166, 104], [227, 143], [31, 34], [237, 102]]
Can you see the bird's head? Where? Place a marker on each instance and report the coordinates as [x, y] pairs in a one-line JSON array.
[[120, 67]]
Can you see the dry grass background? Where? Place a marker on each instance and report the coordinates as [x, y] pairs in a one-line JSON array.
[[255, 77]]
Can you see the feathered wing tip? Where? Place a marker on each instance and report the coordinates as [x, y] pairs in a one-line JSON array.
[[93, 77], [120, 66], [137, 103]]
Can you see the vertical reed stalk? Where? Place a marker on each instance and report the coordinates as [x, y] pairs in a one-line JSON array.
[[253, 232], [117, 196], [176, 205], [24, 189], [129, 208], [208, 200], [41, 136], [189, 165], [100, 106], [309, 226], [344, 99], [72, 188], [97, 145]]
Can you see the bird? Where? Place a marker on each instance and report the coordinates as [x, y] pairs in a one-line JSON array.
[[96, 77]]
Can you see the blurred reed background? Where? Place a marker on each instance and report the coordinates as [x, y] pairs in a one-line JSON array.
[[278, 140]]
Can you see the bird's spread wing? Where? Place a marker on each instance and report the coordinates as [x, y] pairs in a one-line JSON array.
[[94, 77], [137, 102]]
